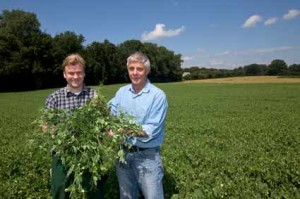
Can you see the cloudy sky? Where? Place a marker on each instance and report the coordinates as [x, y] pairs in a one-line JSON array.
[[207, 33]]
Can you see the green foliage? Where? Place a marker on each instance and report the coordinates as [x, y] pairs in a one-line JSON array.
[[19, 23], [277, 67], [222, 140], [233, 141], [80, 138], [100, 62], [24, 173]]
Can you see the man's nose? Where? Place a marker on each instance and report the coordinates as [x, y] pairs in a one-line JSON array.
[[134, 71]]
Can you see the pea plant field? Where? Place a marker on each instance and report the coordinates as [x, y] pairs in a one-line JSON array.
[[221, 141]]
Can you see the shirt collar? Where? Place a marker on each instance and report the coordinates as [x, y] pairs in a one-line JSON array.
[[145, 89], [69, 93]]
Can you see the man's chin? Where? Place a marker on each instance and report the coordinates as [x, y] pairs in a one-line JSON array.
[[136, 81], [76, 85]]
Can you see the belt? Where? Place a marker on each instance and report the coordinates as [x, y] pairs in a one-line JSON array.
[[136, 149]]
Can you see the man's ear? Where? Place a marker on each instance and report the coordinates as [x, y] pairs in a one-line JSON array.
[[64, 75]]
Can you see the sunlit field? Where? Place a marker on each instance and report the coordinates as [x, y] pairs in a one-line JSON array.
[[223, 140]]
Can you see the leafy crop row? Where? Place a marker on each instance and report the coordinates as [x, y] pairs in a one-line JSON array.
[[222, 141]]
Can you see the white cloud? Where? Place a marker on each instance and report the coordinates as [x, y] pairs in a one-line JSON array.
[[252, 21], [223, 53], [262, 50], [187, 58], [160, 32], [271, 50], [291, 14], [270, 21], [216, 63], [201, 50]]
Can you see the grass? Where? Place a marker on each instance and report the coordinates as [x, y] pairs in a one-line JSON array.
[[222, 140]]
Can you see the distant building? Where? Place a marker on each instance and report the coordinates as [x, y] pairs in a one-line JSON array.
[[185, 74]]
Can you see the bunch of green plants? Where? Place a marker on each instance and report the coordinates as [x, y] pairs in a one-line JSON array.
[[84, 141]]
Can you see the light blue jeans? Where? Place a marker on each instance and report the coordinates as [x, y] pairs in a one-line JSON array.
[[143, 170]]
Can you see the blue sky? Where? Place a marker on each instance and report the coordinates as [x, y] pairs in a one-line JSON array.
[[207, 33]]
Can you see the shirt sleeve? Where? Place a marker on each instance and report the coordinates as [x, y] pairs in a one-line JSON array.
[[154, 124], [50, 102], [113, 105]]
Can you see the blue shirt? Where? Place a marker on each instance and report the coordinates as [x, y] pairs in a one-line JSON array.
[[148, 107]]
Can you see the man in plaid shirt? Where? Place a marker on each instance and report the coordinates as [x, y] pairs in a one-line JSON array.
[[73, 96]]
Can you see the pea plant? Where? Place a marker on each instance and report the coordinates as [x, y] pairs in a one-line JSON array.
[[83, 140]]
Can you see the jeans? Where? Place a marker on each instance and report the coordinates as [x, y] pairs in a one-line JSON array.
[[143, 171]]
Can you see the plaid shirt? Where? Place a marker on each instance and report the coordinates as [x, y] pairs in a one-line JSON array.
[[65, 99]]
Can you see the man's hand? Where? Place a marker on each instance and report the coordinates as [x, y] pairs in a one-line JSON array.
[[45, 129], [110, 133], [141, 134], [130, 132]]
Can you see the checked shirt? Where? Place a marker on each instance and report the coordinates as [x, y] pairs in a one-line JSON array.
[[64, 99]]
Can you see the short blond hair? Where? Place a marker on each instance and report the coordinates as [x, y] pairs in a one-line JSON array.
[[73, 59]]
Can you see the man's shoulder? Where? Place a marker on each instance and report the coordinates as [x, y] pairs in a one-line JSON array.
[[124, 88], [156, 89], [89, 89], [58, 92], [52, 98]]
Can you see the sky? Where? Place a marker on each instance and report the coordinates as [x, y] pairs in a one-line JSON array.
[[222, 34]]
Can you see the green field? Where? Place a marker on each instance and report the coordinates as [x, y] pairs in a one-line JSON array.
[[222, 141]]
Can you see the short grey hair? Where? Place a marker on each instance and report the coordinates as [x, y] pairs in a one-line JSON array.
[[139, 57]]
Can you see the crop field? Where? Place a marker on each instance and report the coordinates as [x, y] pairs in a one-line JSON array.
[[222, 141]]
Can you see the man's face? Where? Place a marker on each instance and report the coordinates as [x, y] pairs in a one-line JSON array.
[[74, 74], [137, 74]]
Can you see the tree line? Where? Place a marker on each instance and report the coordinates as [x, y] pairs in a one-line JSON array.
[[31, 59], [277, 67]]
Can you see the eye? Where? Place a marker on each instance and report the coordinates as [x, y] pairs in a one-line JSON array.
[[140, 69]]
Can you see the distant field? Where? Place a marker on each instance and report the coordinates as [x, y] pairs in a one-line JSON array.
[[248, 79]]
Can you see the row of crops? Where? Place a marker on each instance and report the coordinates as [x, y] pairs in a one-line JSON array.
[[222, 141]]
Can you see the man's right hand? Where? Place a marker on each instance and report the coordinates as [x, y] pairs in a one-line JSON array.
[[45, 129]]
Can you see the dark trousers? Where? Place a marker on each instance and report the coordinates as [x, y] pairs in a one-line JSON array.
[[59, 182]]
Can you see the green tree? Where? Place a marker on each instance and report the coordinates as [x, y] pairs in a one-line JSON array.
[[277, 67], [18, 32], [43, 61], [165, 64], [255, 69], [100, 61], [19, 23], [64, 44], [294, 69]]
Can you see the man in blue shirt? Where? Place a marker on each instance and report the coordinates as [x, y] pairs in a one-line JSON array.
[[143, 169]]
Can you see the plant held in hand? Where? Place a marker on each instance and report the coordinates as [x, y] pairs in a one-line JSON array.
[[88, 140]]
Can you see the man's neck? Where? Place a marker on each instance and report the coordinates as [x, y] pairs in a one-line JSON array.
[[75, 90], [137, 89]]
